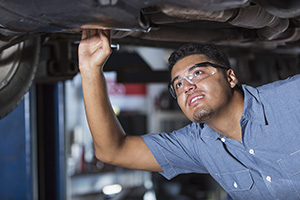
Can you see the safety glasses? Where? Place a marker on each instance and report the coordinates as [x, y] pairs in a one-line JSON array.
[[192, 75]]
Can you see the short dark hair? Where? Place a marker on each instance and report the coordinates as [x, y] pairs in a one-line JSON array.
[[210, 51]]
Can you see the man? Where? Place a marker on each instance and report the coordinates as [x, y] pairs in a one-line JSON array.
[[246, 139]]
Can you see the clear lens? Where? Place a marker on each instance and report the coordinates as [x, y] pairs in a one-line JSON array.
[[193, 75]]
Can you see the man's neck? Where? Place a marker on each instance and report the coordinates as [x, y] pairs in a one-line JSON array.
[[227, 122]]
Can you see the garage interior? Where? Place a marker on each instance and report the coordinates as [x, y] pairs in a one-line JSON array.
[[47, 150]]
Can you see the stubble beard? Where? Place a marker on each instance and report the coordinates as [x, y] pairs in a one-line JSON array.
[[203, 115]]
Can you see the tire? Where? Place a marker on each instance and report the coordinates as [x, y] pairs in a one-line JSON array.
[[18, 65]]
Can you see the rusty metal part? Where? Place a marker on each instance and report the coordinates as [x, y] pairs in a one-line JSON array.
[[256, 17], [274, 30], [197, 14], [251, 17]]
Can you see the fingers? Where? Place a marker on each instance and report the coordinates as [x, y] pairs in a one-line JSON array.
[[84, 34], [105, 37], [93, 32], [99, 35], [106, 32]]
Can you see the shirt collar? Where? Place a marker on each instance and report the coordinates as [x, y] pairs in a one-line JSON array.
[[253, 111], [209, 133], [253, 108]]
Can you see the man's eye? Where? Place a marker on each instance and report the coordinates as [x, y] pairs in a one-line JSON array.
[[178, 84], [198, 72]]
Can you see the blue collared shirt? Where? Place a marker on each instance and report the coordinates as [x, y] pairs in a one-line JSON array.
[[264, 165]]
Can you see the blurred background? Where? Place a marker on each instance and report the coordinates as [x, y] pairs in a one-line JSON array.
[[46, 147]]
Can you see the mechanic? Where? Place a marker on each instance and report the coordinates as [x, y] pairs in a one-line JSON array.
[[247, 139]]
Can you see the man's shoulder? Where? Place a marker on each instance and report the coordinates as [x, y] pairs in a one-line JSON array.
[[284, 92], [277, 92], [188, 130], [288, 84]]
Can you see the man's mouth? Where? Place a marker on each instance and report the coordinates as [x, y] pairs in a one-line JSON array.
[[194, 99]]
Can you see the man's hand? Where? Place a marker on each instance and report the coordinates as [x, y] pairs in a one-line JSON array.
[[94, 49]]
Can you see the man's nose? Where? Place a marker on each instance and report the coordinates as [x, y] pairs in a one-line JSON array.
[[188, 85]]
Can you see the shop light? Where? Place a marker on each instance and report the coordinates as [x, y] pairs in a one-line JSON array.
[[110, 190]]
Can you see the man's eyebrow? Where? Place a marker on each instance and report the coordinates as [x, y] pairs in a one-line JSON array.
[[190, 69], [174, 79], [196, 66]]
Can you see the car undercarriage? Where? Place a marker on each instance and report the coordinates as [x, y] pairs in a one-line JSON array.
[[241, 27]]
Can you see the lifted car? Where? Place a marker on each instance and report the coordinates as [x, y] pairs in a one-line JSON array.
[[26, 27]]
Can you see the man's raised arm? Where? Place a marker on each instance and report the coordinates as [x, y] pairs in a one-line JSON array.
[[111, 143]]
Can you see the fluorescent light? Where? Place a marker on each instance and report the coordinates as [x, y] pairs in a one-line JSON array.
[[112, 189]]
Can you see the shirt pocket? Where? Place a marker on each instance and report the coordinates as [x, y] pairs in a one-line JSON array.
[[290, 165], [235, 181]]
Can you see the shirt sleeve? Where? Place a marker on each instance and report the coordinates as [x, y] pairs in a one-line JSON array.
[[290, 86], [176, 152], [287, 90]]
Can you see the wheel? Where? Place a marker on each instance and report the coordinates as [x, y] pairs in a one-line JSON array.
[[18, 65]]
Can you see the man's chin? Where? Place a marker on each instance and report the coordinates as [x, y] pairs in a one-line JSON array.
[[203, 115]]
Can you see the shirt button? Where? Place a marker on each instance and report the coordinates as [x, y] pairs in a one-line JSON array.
[[223, 139], [235, 185], [269, 179], [251, 151]]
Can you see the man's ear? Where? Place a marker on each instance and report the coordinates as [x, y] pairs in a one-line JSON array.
[[231, 77]]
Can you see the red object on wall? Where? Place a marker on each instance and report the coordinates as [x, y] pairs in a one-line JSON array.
[[135, 89], [115, 88]]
